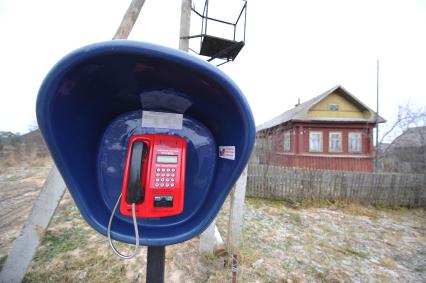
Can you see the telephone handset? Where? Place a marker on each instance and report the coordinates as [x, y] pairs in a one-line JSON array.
[[135, 189], [154, 176]]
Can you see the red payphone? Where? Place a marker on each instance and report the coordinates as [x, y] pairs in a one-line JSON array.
[[154, 176], [154, 181]]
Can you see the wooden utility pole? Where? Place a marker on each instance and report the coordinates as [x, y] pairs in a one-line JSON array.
[[235, 223], [185, 24], [377, 151], [129, 19], [210, 239]]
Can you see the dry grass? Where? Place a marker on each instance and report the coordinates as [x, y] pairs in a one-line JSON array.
[[360, 210], [23, 156], [282, 242]]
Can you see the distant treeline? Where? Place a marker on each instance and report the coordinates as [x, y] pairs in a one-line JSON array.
[[16, 150]]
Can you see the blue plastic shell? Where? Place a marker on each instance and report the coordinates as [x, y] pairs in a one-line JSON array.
[[91, 102]]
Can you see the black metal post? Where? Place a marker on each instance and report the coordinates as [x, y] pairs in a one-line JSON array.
[[155, 264]]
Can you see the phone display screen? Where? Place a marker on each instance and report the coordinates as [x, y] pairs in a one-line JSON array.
[[167, 159]]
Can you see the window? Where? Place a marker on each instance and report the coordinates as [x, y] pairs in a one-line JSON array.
[[354, 142], [287, 141], [335, 142], [333, 107], [315, 141]]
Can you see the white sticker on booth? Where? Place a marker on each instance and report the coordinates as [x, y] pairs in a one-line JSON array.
[[227, 152], [153, 119]]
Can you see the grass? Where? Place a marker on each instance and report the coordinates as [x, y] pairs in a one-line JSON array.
[[287, 241], [61, 241], [67, 213], [89, 267], [349, 251], [73, 252], [360, 210], [259, 202], [325, 203], [295, 218], [2, 261], [68, 253], [320, 275], [388, 263]]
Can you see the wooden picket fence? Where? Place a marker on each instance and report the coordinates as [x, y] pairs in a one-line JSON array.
[[387, 189]]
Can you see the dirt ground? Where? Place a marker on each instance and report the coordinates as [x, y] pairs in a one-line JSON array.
[[281, 243], [19, 187]]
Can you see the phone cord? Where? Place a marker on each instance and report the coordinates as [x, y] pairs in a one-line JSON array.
[[136, 231]]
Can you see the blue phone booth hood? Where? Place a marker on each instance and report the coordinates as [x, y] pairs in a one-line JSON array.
[[92, 101]]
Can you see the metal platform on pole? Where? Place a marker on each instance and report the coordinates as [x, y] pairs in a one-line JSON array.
[[218, 47]]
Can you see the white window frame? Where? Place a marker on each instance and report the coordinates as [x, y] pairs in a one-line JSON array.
[[287, 141], [311, 133], [330, 148], [359, 134]]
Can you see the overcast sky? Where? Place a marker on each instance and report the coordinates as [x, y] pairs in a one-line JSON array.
[[294, 49]]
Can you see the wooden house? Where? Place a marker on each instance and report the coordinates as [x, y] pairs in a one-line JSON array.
[[332, 131]]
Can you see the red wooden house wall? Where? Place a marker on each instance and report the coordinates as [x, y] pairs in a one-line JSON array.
[[300, 156]]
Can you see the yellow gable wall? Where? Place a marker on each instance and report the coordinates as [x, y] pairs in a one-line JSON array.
[[346, 108]]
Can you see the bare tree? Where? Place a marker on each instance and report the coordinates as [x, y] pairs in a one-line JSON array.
[[408, 117], [33, 126], [407, 136]]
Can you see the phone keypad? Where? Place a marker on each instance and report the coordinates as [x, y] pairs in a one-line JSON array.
[[165, 177]]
